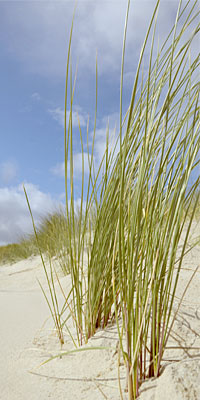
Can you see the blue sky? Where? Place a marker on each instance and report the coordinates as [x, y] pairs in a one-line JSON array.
[[33, 51]]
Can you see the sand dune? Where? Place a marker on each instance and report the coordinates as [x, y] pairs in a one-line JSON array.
[[27, 338]]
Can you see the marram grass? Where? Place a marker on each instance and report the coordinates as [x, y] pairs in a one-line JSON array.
[[139, 203], [11, 253], [51, 233]]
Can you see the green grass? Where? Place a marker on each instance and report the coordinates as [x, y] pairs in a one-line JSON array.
[[144, 204], [52, 240], [122, 246], [14, 252]]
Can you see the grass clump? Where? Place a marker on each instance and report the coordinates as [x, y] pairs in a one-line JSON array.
[[52, 239], [142, 206], [14, 252], [123, 263]]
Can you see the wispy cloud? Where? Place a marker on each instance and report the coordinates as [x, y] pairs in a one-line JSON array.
[[110, 121], [59, 169], [78, 115], [36, 96], [15, 219], [8, 172]]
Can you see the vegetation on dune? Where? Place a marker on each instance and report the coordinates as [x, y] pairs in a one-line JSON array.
[[52, 239], [145, 203], [142, 204], [11, 253], [121, 248]]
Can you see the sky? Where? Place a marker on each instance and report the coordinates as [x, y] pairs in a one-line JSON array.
[[34, 38]]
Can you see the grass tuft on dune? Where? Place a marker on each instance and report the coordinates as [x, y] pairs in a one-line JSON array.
[[136, 209]]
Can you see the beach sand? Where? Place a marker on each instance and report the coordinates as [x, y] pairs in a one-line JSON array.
[[27, 339]]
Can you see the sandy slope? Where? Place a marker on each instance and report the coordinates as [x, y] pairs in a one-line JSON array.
[[27, 339]]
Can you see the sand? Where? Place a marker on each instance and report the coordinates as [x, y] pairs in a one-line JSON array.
[[27, 339]]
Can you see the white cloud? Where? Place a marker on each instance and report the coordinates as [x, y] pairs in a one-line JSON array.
[[37, 33], [59, 169], [99, 148], [36, 96], [15, 218], [109, 121], [78, 115], [8, 171]]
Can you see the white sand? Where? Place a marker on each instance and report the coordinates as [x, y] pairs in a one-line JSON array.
[[27, 339]]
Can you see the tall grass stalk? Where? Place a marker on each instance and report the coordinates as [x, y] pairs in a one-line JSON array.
[[53, 302], [144, 205], [138, 204]]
